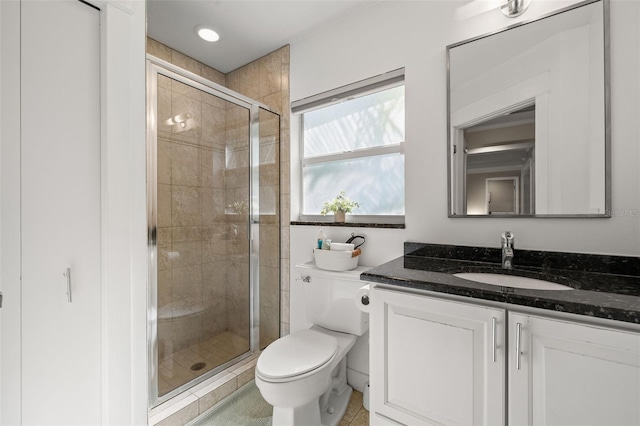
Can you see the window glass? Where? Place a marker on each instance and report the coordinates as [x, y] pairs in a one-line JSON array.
[[368, 121], [377, 183]]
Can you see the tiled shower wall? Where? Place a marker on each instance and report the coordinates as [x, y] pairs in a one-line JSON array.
[[266, 80]]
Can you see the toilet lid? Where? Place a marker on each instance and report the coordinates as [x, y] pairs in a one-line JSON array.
[[296, 354]]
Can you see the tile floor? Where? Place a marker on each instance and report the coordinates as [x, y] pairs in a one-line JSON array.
[[175, 369], [355, 415]]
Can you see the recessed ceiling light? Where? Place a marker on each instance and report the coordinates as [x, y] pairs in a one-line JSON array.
[[207, 34]]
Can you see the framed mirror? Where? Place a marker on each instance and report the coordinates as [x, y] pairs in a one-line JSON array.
[[529, 118]]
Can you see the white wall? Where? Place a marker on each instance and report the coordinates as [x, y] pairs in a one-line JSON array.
[[413, 34]]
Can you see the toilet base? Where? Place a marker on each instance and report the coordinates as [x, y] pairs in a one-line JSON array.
[[310, 415], [338, 404]]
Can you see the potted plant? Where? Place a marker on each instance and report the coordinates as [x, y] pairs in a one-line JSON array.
[[340, 206]]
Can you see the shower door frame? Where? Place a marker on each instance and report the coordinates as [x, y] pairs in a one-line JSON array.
[[157, 66]]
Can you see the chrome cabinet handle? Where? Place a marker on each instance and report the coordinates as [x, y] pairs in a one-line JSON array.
[[518, 349], [67, 274], [494, 331]]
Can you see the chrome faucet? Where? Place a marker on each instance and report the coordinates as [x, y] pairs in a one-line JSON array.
[[507, 249]]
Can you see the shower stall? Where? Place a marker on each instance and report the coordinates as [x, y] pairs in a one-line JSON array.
[[213, 225]]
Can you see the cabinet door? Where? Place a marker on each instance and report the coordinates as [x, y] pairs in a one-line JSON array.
[[60, 186], [572, 374], [436, 362]]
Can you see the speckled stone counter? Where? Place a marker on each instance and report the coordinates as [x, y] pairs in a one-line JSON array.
[[604, 286]]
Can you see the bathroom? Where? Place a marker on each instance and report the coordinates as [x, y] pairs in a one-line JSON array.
[[414, 37]]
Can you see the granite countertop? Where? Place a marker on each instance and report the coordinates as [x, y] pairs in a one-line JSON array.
[[604, 286]]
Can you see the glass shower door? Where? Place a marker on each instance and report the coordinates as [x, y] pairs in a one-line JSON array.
[[269, 192], [199, 177]]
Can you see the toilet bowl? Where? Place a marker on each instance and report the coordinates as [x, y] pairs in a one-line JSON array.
[[303, 375]]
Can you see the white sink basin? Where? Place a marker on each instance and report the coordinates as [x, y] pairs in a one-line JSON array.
[[511, 281]]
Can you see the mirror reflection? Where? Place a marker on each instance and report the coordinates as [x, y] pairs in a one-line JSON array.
[[528, 119]]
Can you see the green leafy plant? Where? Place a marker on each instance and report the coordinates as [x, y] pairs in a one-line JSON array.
[[339, 204]]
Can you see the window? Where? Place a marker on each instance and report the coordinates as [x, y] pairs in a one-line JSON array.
[[353, 139]]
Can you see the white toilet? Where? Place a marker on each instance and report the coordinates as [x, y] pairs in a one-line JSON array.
[[304, 375]]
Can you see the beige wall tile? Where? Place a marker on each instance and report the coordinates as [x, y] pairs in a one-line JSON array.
[[186, 233], [213, 125], [214, 320], [270, 73], [285, 205], [284, 306], [163, 164], [214, 280], [158, 49], [187, 285], [285, 275], [213, 204], [246, 376], [233, 81], [185, 62], [285, 148], [164, 109], [285, 175], [269, 325], [250, 80], [164, 205], [284, 329], [164, 82], [212, 168], [269, 235], [273, 101], [186, 90], [210, 399], [181, 105], [185, 165], [213, 100], [269, 286], [165, 289], [187, 253], [213, 75], [182, 417], [185, 206]]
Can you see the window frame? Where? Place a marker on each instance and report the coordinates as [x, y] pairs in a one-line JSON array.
[[359, 89]]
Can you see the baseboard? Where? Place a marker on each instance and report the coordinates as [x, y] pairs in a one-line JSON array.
[[357, 379]]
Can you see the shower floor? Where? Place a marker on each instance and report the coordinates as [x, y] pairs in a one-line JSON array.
[[176, 370]]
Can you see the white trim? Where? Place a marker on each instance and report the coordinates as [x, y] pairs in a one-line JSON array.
[[357, 153], [124, 212], [10, 359], [360, 88]]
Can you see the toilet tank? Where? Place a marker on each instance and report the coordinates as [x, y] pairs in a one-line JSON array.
[[330, 298]]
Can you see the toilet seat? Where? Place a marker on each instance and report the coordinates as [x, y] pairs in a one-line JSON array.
[[296, 354]]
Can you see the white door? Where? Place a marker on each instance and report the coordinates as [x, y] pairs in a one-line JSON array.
[[60, 173], [436, 362], [572, 374], [502, 195]]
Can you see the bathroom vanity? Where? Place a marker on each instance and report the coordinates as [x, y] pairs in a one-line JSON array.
[[447, 350]]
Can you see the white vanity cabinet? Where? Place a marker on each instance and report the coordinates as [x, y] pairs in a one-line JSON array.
[[435, 362], [572, 374], [444, 362]]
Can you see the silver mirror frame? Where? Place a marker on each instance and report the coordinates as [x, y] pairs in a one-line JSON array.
[[607, 116]]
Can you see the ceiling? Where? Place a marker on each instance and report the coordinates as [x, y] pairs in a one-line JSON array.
[[249, 29]]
